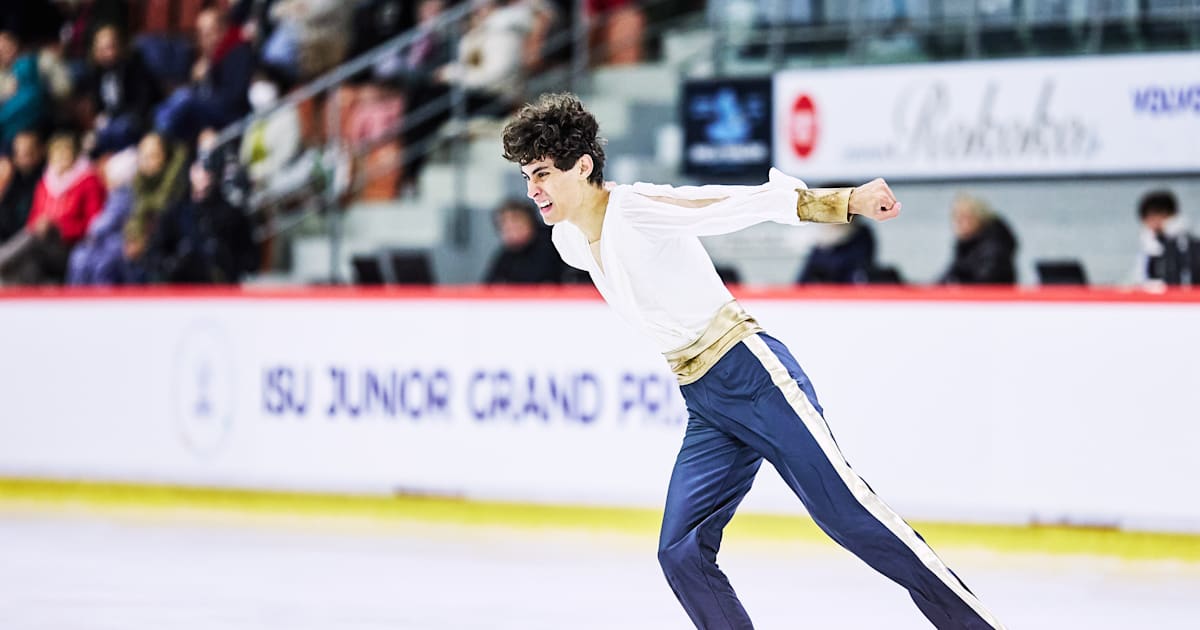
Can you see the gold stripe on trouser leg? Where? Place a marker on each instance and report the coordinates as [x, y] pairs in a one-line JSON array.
[[869, 500]]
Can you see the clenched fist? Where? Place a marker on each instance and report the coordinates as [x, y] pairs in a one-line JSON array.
[[874, 199]]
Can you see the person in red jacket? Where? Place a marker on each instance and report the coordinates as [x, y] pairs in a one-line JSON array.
[[66, 200]]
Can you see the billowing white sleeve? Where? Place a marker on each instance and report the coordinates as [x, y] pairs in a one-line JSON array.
[[660, 210]]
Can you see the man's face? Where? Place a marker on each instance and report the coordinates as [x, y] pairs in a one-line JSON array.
[[207, 140], [27, 152], [964, 219], [105, 47], [428, 10], [62, 156], [151, 156], [1156, 221], [481, 12], [208, 32], [558, 194], [515, 228], [8, 49], [200, 180]]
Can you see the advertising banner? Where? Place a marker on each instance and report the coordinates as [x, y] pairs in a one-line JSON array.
[[1082, 412], [727, 127], [1100, 115]]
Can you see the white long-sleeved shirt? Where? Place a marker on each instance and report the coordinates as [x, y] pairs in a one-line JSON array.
[[653, 270]]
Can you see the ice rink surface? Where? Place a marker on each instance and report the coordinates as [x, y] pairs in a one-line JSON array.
[[69, 570]]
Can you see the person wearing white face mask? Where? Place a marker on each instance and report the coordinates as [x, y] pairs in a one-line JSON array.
[[1170, 254], [270, 142], [279, 167]]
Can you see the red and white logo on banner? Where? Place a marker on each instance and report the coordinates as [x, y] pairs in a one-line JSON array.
[[804, 126]]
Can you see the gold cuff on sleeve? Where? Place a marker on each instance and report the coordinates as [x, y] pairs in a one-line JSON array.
[[823, 205]]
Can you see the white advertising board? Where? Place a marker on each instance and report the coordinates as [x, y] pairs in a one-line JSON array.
[[1137, 114], [953, 410]]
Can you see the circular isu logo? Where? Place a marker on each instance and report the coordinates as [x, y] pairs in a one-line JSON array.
[[202, 384], [803, 126]]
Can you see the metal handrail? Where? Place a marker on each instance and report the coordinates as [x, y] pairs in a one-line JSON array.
[[969, 25], [556, 44], [327, 82], [563, 41], [338, 75]]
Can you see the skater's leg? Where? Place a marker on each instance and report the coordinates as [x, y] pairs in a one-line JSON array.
[[712, 474], [784, 422]]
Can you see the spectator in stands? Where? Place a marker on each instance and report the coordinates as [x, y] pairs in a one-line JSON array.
[[253, 18], [370, 133], [159, 183], [844, 254], [527, 256], [34, 20], [490, 58], [985, 247], [99, 258], [309, 37], [543, 17], [64, 203], [377, 21], [280, 45], [1170, 255], [202, 239], [83, 19], [414, 65], [269, 143], [57, 80], [374, 114], [618, 27], [38, 25], [117, 87], [298, 188], [23, 172], [220, 81], [21, 94], [413, 71], [230, 177]]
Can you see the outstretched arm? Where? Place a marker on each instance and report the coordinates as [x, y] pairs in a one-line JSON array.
[[711, 210]]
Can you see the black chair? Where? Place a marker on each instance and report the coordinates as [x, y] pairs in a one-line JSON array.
[[885, 274], [392, 267], [367, 270], [1060, 273]]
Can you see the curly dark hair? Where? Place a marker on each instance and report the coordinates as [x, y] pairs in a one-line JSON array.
[[558, 128], [1160, 202]]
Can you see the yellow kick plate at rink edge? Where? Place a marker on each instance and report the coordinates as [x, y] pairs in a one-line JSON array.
[[121, 497]]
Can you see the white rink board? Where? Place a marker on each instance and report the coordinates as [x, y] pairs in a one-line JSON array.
[[968, 411]]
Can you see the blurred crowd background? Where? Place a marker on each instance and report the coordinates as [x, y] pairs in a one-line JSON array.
[[328, 141]]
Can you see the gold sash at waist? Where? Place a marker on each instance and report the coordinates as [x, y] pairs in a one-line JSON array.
[[730, 325]]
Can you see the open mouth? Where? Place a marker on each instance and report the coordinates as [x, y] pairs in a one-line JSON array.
[[545, 207]]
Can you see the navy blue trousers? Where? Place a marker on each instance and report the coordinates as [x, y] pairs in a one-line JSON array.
[[754, 404]]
